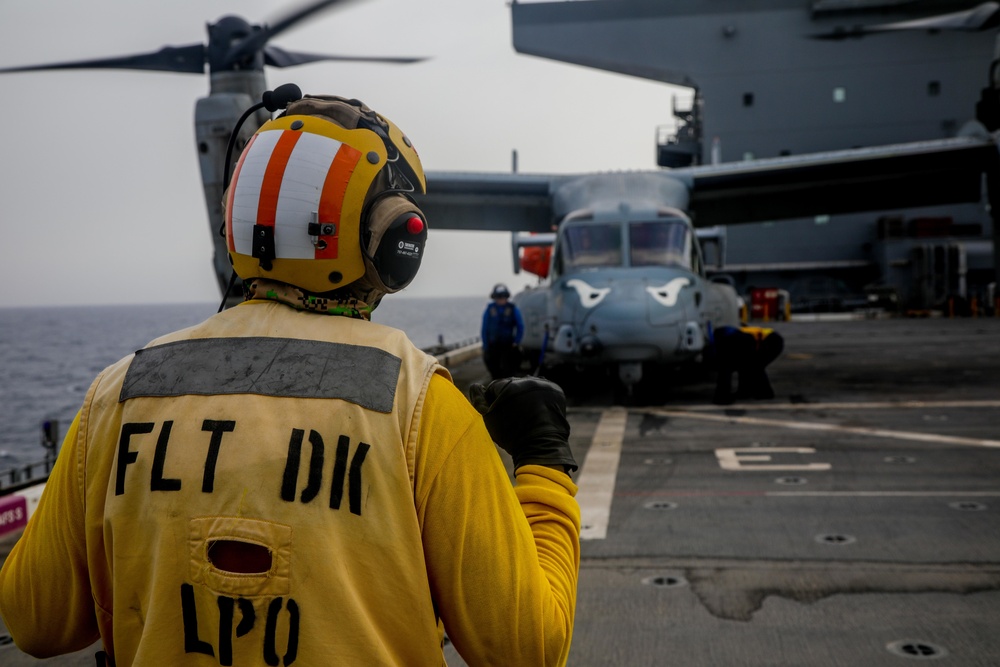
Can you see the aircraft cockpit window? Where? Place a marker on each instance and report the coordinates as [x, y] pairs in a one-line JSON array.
[[589, 246], [660, 243]]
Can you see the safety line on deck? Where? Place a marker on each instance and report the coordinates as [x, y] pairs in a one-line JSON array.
[[810, 494], [596, 481], [885, 494], [872, 405], [815, 426]]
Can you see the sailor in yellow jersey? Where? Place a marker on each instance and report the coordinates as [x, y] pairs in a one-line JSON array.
[[289, 483]]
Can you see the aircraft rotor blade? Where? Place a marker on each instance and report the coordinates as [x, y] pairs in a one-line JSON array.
[[185, 59], [980, 17], [255, 42], [278, 57]]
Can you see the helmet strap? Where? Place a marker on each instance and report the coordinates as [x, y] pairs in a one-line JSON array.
[[263, 245]]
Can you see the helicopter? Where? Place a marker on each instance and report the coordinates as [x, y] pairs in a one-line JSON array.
[[622, 311], [613, 298]]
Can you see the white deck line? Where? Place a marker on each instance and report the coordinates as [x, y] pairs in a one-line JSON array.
[[596, 481], [871, 405], [884, 494], [833, 428]]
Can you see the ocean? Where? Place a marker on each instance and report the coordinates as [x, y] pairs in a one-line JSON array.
[[49, 356]]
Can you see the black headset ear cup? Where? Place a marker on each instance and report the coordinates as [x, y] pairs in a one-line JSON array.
[[396, 233]]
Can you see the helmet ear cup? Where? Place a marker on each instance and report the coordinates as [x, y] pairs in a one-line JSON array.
[[395, 236]]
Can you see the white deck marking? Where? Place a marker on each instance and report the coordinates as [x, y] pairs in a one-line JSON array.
[[598, 474], [885, 494], [596, 481], [816, 426], [957, 493], [758, 458], [879, 405]]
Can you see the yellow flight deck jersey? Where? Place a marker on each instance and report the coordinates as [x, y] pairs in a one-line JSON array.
[[349, 459], [758, 333]]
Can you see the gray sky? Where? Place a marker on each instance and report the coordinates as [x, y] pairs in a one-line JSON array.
[[102, 199]]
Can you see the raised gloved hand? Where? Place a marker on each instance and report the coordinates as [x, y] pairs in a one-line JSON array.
[[526, 416]]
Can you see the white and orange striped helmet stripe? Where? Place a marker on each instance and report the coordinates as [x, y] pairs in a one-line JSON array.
[[291, 175]]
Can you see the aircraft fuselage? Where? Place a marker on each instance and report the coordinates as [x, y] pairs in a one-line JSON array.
[[627, 288]]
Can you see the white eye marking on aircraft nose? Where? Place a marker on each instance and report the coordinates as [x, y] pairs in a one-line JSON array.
[[589, 296], [666, 295]]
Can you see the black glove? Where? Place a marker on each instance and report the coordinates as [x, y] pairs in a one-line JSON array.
[[526, 416]]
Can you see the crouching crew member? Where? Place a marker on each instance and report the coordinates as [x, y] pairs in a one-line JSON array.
[[744, 352], [290, 483]]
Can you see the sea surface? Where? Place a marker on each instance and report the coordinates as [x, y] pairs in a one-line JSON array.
[[49, 356]]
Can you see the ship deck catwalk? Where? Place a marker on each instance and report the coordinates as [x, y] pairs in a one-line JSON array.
[[852, 520]]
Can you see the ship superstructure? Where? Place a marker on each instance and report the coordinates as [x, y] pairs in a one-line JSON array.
[[769, 78]]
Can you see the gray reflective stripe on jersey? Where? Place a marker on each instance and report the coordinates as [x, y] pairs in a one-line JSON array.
[[284, 367]]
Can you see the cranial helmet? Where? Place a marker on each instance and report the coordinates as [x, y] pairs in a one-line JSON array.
[[500, 291], [320, 200]]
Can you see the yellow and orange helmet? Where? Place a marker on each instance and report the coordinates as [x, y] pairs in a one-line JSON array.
[[319, 199]]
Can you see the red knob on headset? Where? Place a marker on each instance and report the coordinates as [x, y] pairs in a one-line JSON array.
[[415, 225]]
